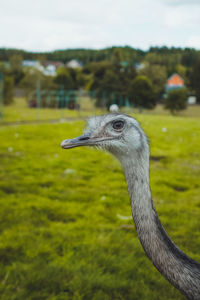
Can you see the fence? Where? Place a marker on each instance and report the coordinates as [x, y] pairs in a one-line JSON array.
[[57, 104]]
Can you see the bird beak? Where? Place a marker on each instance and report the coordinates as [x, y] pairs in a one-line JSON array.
[[83, 140]]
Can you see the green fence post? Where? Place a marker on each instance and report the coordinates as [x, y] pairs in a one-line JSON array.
[[62, 102], [104, 101], [48, 100], [67, 100], [1, 98], [127, 103], [77, 103], [113, 98], [121, 101]]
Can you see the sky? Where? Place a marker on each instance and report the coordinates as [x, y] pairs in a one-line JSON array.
[[46, 25]]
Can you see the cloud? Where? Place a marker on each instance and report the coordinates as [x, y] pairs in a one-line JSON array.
[[47, 25], [182, 2], [194, 41], [183, 17]]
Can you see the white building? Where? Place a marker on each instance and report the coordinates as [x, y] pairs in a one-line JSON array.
[[74, 64], [33, 64], [50, 70]]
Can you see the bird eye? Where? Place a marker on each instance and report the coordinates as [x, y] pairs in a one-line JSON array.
[[117, 125]]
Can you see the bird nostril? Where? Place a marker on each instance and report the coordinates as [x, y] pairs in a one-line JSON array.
[[84, 138]]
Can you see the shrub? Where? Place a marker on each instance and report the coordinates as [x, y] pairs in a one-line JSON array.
[[8, 89], [176, 100], [141, 92]]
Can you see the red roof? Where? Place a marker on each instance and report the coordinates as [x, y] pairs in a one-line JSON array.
[[54, 63], [175, 80]]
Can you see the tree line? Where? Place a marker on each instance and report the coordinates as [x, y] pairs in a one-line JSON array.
[[162, 55], [116, 73]]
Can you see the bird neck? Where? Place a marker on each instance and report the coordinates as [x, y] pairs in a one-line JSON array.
[[180, 270]]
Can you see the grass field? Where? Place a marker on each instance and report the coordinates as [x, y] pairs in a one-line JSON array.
[[20, 112], [65, 217]]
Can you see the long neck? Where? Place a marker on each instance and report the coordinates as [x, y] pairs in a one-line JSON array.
[[179, 269]]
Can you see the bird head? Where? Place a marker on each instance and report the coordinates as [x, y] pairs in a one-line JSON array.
[[117, 133]]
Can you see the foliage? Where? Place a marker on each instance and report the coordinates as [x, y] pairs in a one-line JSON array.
[[81, 79], [109, 88], [141, 92], [110, 80], [64, 78], [165, 55], [16, 68], [8, 90], [195, 79], [176, 100], [2, 68], [116, 63], [16, 62], [181, 70], [189, 57], [31, 79], [61, 235], [158, 76]]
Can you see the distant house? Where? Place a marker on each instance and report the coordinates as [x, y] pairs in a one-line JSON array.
[[30, 63], [33, 64], [139, 66], [56, 64], [47, 67], [50, 70], [50, 67], [174, 82], [74, 64]]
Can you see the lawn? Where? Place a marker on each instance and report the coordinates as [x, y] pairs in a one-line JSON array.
[[19, 112], [65, 217]]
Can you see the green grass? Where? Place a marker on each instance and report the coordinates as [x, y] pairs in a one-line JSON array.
[[61, 235], [191, 111], [20, 112]]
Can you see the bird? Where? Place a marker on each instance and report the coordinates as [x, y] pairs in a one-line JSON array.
[[122, 136]]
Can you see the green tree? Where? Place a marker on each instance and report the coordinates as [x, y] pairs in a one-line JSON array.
[[64, 78], [141, 92], [110, 80], [195, 79], [31, 78], [176, 100], [158, 76], [16, 68], [181, 70], [8, 89], [189, 57], [110, 87], [117, 57], [153, 58], [3, 68], [16, 62], [101, 78], [81, 79]]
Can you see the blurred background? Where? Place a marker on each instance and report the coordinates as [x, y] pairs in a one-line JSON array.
[[65, 218]]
